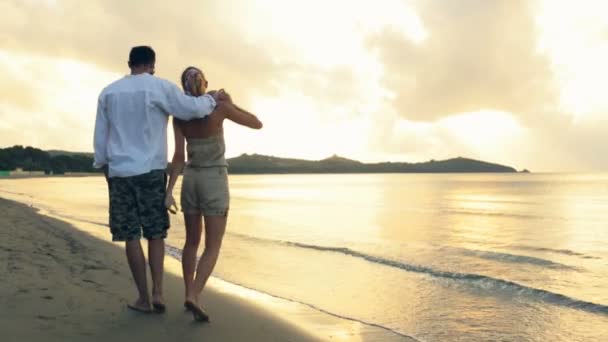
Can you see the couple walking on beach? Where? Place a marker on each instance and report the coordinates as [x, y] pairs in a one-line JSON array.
[[130, 143]]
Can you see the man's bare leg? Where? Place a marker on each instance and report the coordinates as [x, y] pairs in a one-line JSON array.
[[156, 255], [137, 264]]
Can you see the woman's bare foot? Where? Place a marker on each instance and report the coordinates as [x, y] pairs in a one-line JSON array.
[[158, 303], [199, 314], [190, 299]]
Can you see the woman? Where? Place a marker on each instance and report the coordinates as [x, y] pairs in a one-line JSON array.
[[205, 185]]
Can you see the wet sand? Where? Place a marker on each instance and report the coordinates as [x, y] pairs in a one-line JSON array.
[[64, 280]]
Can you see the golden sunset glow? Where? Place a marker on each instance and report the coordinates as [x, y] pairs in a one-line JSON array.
[[576, 39], [506, 81]]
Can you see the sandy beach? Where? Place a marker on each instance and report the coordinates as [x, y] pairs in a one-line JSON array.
[[60, 282]]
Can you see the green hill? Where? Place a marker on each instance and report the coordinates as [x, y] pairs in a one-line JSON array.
[[33, 159], [58, 162], [265, 164]]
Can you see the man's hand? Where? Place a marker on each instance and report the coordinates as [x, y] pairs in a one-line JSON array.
[[214, 94], [170, 203], [220, 95]]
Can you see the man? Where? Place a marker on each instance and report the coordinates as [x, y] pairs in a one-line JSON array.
[[130, 144]]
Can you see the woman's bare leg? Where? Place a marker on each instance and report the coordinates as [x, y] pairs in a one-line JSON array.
[[193, 239], [215, 226]]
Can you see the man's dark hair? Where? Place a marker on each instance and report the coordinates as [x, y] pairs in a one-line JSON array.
[[141, 55]]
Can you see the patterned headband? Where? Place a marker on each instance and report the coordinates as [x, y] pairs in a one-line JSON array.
[[193, 82]]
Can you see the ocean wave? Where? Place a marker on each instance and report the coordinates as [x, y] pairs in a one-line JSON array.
[[484, 282], [553, 250], [513, 258], [500, 214], [481, 281]]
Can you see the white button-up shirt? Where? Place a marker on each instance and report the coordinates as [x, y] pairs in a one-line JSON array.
[[131, 126]]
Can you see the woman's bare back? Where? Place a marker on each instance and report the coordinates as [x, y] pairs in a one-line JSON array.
[[201, 128]]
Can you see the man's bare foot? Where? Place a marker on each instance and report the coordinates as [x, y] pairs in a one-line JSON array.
[[140, 306]]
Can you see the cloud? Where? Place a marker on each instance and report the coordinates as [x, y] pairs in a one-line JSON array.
[[478, 55], [396, 80], [567, 145], [206, 34], [210, 35], [102, 32], [17, 92]]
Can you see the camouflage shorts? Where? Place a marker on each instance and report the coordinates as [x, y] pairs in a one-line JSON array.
[[138, 203]]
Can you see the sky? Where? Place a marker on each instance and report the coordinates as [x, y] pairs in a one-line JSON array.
[[521, 83]]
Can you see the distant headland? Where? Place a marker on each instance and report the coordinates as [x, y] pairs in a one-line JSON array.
[[61, 162]]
